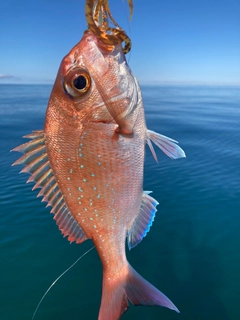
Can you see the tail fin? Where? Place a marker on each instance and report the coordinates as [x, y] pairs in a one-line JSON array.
[[129, 286]]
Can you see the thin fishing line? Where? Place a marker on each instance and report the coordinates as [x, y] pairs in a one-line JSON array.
[[128, 24], [57, 280]]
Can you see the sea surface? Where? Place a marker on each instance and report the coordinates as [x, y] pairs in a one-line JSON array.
[[192, 252]]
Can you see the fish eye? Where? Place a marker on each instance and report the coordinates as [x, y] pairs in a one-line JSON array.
[[80, 82], [77, 82]]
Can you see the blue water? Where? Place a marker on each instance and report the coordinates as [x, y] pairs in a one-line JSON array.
[[192, 252]]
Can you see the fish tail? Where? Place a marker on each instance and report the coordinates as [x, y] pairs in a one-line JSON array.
[[129, 286], [141, 292], [114, 299]]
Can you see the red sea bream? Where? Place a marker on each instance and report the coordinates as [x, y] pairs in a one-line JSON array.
[[88, 161]]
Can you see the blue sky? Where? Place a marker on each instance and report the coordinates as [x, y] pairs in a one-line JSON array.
[[174, 41]]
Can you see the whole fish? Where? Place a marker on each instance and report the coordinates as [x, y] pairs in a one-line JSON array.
[[88, 162]]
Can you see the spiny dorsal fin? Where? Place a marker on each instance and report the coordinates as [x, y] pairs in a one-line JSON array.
[[37, 164], [143, 221], [167, 145]]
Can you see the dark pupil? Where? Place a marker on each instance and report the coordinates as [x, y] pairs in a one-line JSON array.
[[80, 83]]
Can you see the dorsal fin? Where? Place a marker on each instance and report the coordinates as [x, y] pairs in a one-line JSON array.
[[143, 221], [37, 164]]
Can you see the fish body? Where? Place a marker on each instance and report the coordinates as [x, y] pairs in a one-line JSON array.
[[88, 162]]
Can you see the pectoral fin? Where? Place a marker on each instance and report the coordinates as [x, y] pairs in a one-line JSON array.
[[167, 145], [143, 221]]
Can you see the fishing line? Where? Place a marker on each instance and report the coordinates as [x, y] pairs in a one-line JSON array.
[[57, 280], [128, 24]]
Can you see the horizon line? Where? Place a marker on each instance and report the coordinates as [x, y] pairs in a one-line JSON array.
[[153, 83]]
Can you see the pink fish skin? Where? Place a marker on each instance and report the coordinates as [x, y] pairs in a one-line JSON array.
[[88, 162]]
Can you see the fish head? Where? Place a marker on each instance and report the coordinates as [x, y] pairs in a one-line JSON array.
[[95, 84]]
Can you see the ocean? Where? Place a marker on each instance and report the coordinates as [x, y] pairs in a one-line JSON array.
[[192, 252]]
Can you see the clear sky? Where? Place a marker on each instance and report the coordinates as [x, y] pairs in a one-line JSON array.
[[177, 41]]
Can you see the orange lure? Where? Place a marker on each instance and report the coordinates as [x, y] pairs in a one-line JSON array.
[[88, 162]]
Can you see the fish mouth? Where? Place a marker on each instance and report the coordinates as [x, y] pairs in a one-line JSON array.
[[120, 96], [124, 119]]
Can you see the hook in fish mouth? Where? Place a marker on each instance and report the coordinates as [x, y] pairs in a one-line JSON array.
[[97, 15]]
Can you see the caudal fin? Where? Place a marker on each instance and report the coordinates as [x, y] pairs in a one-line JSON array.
[[129, 286], [141, 292]]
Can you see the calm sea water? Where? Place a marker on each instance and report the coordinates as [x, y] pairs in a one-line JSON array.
[[192, 252]]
